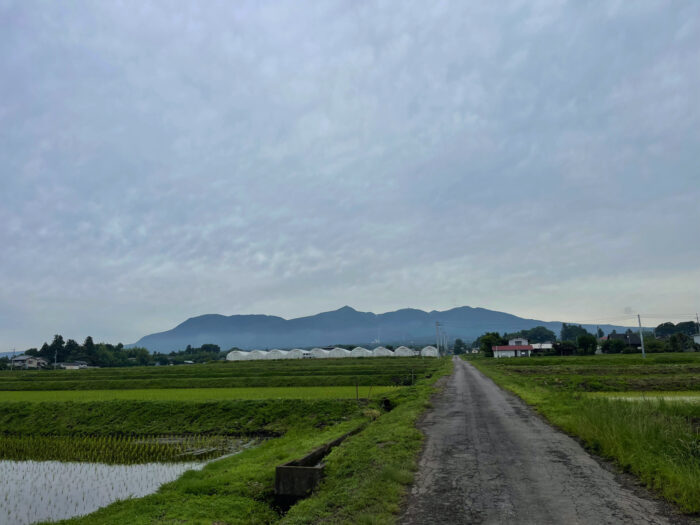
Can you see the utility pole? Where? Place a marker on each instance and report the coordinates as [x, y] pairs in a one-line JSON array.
[[641, 335], [437, 335]]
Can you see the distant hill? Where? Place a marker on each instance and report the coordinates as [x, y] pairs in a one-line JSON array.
[[343, 326]]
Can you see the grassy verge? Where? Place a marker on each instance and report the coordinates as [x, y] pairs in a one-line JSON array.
[[367, 475], [655, 440]]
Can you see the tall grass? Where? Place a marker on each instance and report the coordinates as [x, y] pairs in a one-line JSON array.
[[657, 441], [648, 438]]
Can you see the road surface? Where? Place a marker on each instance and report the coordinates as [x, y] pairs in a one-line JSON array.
[[488, 458]]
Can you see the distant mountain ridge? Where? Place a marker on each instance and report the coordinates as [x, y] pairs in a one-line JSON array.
[[343, 326]]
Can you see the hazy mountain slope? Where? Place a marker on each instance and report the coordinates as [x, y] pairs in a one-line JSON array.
[[343, 326]]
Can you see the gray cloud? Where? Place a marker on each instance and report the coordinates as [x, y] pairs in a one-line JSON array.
[[162, 160]]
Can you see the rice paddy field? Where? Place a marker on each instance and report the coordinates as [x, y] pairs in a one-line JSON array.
[[199, 394], [200, 443], [642, 413]]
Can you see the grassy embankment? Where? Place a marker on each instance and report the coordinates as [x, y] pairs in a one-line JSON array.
[[658, 441], [365, 476]]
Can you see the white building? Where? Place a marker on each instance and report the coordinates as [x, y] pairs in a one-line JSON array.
[[512, 350], [339, 352], [403, 351], [237, 355], [319, 353], [380, 351], [298, 353], [255, 355], [542, 346], [429, 351], [276, 353], [358, 351], [517, 341]]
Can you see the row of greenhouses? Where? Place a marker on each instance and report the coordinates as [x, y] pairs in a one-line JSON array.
[[325, 353]]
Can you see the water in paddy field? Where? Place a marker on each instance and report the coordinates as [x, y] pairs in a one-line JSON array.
[[33, 491]]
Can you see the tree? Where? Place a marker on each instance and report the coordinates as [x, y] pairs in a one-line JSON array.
[[538, 334], [459, 347], [668, 329], [71, 350], [571, 332], [587, 344], [679, 342], [601, 334], [613, 346], [57, 348], [653, 345], [489, 340]]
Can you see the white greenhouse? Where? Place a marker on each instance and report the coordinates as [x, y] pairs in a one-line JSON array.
[[255, 355], [429, 351], [237, 355], [319, 353], [403, 351], [275, 353], [339, 352], [380, 351], [358, 351], [298, 353]]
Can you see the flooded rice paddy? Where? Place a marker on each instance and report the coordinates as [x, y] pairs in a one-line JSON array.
[[34, 491]]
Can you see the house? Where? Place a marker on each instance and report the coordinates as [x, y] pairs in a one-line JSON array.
[[630, 338], [542, 347], [28, 362], [517, 347]]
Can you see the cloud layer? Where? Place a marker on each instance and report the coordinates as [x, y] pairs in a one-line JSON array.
[[163, 160]]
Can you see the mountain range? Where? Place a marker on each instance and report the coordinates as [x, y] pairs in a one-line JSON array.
[[343, 326]]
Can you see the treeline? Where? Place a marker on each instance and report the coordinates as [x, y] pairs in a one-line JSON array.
[[108, 355], [576, 340]]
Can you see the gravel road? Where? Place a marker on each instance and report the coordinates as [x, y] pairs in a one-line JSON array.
[[488, 458]]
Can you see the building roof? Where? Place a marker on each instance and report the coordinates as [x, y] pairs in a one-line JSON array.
[[511, 347]]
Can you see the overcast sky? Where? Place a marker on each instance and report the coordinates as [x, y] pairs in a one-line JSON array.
[[160, 160]]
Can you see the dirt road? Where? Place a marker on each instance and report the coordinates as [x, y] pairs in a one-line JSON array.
[[489, 459]]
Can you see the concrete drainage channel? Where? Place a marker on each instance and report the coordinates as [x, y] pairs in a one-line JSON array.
[[296, 479]]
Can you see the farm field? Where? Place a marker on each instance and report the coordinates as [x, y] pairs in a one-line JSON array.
[[373, 371], [656, 437], [690, 396], [254, 428], [198, 394]]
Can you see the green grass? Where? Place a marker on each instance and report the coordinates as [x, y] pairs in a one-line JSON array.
[[366, 476], [197, 394], [656, 440], [303, 372], [157, 418]]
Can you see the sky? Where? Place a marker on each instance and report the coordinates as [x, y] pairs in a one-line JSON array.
[[161, 160]]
